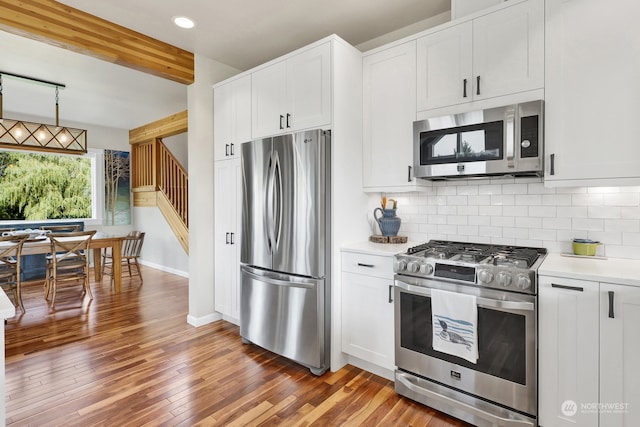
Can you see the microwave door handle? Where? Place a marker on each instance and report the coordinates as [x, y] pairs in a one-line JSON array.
[[510, 137]]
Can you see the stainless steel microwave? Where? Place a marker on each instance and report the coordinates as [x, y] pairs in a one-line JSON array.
[[497, 141]]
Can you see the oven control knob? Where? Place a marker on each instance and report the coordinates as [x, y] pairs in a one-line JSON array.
[[523, 282], [504, 279], [485, 276], [401, 265], [413, 266], [426, 269]]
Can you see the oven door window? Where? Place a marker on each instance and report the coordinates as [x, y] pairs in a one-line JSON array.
[[463, 144], [501, 338]]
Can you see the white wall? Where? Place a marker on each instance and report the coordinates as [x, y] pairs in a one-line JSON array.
[[201, 188], [178, 146], [161, 248], [523, 212]]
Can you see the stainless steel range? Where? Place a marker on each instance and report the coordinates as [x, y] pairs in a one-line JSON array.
[[497, 384]]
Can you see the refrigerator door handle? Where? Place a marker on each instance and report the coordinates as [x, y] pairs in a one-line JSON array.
[[277, 184], [269, 205], [273, 281]]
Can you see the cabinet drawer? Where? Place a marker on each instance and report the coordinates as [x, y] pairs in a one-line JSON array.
[[367, 264]]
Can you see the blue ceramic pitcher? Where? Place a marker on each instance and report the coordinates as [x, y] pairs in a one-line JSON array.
[[389, 223]]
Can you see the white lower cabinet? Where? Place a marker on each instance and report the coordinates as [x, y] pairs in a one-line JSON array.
[[367, 308], [619, 355], [227, 208], [588, 350]]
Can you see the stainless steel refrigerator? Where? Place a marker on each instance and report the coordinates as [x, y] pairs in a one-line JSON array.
[[285, 288]]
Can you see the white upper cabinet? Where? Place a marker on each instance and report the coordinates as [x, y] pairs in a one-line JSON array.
[[292, 94], [232, 117], [500, 53], [461, 8], [591, 93], [444, 67], [508, 50], [389, 109]]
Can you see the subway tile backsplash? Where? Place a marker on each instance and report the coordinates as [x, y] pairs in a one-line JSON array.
[[522, 211]]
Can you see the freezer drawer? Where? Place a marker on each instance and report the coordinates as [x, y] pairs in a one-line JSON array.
[[284, 314]]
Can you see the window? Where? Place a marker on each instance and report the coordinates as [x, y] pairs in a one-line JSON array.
[[36, 186]]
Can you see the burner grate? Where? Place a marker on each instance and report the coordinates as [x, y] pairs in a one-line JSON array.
[[504, 255]]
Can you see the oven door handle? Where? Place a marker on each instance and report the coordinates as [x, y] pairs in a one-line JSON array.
[[494, 419], [480, 301]]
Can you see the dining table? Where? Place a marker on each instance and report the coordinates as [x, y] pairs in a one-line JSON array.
[[99, 241]]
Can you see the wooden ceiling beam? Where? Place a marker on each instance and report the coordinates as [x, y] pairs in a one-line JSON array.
[[60, 25], [172, 125]]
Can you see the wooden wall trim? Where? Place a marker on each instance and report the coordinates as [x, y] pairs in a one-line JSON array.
[[171, 125], [60, 25]]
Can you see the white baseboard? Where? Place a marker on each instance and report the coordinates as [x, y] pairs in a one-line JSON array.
[[204, 320], [370, 367], [163, 268]]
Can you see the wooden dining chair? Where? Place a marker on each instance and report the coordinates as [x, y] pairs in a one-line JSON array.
[[10, 258], [131, 247], [69, 262]]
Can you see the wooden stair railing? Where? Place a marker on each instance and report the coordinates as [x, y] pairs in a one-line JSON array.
[[157, 177], [174, 182]]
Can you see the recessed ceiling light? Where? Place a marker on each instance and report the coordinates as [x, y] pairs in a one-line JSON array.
[[183, 22]]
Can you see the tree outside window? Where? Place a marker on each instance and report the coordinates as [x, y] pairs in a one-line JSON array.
[[44, 186]]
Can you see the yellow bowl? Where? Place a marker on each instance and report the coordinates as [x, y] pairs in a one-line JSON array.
[[585, 249]]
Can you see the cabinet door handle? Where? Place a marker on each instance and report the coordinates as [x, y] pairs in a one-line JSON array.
[[232, 150], [464, 88], [390, 294], [226, 239], [365, 265], [409, 174], [281, 119], [477, 85], [552, 167], [288, 120], [570, 288], [611, 314], [226, 149], [232, 237]]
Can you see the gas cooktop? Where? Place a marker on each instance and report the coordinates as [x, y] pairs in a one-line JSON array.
[[506, 267]]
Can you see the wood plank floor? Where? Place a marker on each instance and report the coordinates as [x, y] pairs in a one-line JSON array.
[[130, 359]]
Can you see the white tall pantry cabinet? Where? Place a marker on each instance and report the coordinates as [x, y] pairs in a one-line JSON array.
[[232, 127]]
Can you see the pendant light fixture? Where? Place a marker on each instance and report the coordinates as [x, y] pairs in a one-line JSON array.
[[37, 136]]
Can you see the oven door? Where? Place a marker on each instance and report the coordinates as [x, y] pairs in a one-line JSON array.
[[506, 369]]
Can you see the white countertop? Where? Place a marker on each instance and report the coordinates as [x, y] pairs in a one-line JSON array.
[[611, 270], [7, 309], [384, 249]]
